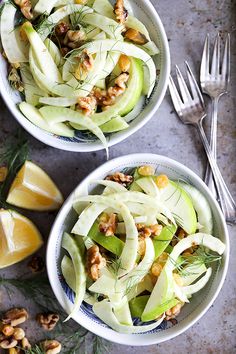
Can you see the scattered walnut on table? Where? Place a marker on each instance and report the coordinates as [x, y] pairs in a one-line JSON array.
[[108, 224], [25, 343], [25, 7], [51, 346], [135, 36], [120, 11], [121, 178], [36, 264], [7, 330], [47, 320], [8, 343], [15, 316], [94, 262]]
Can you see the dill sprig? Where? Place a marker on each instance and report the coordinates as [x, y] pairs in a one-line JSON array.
[[13, 156], [201, 257], [72, 336]]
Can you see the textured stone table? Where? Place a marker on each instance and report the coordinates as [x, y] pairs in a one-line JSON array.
[[186, 23]]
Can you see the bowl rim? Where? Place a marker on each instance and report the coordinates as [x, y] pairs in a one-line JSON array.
[[112, 164], [62, 144]]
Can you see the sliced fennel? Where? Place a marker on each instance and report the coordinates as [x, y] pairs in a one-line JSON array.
[[14, 47], [192, 272], [58, 114], [42, 55], [122, 313], [44, 6], [149, 187], [104, 311], [191, 289], [31, 90], [54, 51], [36, 118], [69, 244], [51, 21], [109, 26], [68, 273], [127, 49]]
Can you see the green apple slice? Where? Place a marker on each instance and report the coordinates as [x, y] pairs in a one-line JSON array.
[[137, 305], [201, 206], [162, 241], [181, 206], [161, 298], [111, 243]]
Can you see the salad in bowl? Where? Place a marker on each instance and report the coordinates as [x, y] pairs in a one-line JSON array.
[[138, 251], [84, 69]]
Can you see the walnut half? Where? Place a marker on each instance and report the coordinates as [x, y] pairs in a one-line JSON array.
[[121, 178], [51, 346], [47, 320], [15, 316], [95, 262], [108, 224]]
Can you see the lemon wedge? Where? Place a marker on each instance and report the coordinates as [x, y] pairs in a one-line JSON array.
[[33, 189], [19, 238]]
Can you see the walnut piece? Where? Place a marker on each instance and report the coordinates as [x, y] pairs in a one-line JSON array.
[[36, 264], [19, 333], [135, 36], [94, 262], [8, 343], [25, 7], [51, 346], [173, 312], [121, 178], [87, 105], [120, 11], [74, 39], [108, 224], [25, 343], [61, 29], [149, 231], [47, 320], [15, 316]]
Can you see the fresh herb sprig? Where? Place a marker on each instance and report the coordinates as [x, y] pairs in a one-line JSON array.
[[73, 337]]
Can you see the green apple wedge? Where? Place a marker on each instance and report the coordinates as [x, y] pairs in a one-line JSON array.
[[161, 299], [181, 206], [162, 241], [111, 243], [137, 305]]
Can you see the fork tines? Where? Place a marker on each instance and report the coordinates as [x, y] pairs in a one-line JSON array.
[[216, 68], [188, 97]]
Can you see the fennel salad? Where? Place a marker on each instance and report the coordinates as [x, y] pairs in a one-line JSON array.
[[80, 65], [140, 249]]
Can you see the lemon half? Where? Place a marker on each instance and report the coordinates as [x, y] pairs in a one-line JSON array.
[[33, 189], [19, 238]]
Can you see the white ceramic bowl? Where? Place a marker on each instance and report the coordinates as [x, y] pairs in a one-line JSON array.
[[145, 11], [66, 218]]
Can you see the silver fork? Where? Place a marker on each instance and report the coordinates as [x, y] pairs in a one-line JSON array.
[[214, 82], [190, 108]]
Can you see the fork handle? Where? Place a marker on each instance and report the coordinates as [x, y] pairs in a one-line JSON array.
[[213, 145], [225, 198]]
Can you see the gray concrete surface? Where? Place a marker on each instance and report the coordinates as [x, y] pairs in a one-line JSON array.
[[186, 23]]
